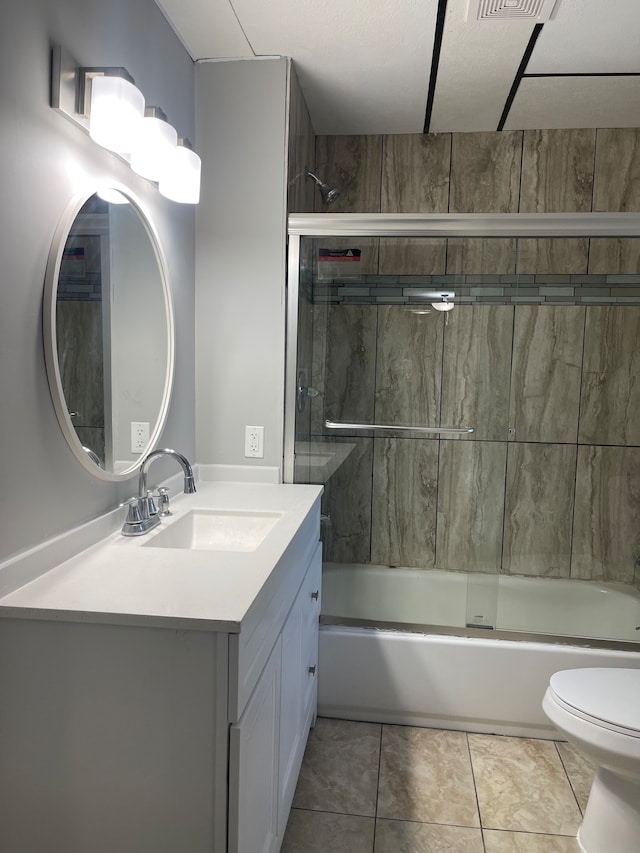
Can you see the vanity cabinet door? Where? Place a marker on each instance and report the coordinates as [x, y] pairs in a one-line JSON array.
[[298, 682], [253, 766]]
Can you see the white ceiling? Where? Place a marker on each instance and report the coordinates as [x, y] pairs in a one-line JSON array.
[[368, 66]]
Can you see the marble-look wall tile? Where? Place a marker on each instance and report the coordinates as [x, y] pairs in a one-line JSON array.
[[317, 379], [606, 535], [353, 165], [347, 389], [539, 509], [415, 173], [557, 170], [405, 486], [304, 360], [610, 404], [617, 170], [93, 438], [412, 256], [301, 191], [545, 373], [485, 172], [408, 367], [470, 505], [347, 501], [553, 256], [80, 357], [478, 256], [476, 370], [614, 255]]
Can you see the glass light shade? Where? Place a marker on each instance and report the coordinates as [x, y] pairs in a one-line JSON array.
[[153, 147], [117, 110], [180, 180]]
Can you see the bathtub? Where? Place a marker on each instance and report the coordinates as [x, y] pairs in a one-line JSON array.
[[401, 645]]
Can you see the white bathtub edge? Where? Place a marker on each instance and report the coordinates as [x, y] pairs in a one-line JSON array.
[[475, 685]]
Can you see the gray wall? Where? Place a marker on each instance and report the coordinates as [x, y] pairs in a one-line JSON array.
[[46, 161], [240, 263]]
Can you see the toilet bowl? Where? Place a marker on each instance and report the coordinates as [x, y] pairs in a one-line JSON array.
[[598, 711]]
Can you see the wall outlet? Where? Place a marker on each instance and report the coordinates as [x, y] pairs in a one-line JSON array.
[[139, 436], [254, 441]]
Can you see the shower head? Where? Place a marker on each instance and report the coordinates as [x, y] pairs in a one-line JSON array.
[[329, 194]]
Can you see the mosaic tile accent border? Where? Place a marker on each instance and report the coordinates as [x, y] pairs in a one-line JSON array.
[[481, 289]]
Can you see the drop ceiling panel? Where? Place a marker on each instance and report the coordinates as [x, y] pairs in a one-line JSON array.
[[207, 28], [363, 65], [555, 102], [589, 36], [478, 63]]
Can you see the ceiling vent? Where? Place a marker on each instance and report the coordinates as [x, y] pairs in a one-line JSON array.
[[534, 11]]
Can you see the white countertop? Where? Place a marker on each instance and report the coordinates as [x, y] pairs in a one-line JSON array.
[[125, 580]]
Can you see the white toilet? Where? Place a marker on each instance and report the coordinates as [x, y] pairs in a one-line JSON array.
[[598, 710]]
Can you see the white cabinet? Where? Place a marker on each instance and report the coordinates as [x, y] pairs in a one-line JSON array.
[[156, 738], [267, 743], [253, 766]]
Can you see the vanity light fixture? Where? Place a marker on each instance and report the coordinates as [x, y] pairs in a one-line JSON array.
[[154, 145], [180, 179], [116, 108], [107, 104]]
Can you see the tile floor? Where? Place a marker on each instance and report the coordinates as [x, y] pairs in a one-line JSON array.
[[371, 788]]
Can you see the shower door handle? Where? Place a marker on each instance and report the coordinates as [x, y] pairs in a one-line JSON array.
[[431, 430]]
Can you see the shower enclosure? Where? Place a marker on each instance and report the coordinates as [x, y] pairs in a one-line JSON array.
[[481, 463]]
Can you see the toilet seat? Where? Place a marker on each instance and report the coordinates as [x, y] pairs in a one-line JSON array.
[[605, 697]]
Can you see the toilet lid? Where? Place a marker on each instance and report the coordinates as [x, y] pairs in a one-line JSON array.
[[605, 696]]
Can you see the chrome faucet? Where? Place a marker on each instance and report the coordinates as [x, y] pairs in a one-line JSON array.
[[143, 514]]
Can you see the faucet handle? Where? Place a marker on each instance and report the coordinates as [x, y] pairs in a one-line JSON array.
[[163, 502], [138, 519], [150, 504], [134, 513]]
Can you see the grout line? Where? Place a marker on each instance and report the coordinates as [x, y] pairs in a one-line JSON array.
[[375, 817], [566, 773], [475, 791]]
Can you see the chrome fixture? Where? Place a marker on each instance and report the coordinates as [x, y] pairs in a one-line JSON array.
[[106, 102], [329, 194], [143, 514], [444, 305], [93, 456], [435, 430], [303, 391]]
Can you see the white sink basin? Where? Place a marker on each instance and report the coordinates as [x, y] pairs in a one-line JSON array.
[[216, 530]]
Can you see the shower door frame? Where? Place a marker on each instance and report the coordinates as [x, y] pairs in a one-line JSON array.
[[531, 225]]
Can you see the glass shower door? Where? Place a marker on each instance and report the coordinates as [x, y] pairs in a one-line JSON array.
[[537, 357]]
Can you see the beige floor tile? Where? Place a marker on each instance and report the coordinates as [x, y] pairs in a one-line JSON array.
[[340, 768], [580, 770], [499, 841], [425, 775], [399, 836], [521, 785], [322, 832]]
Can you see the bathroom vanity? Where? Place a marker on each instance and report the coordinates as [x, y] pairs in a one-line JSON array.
[[157, 695]]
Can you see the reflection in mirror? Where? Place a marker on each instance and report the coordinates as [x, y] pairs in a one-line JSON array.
[[108, 334]]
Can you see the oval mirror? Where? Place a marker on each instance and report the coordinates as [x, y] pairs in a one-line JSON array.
[[108, 333]]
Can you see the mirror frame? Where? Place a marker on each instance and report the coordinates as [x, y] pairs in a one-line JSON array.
[[49, 329]]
